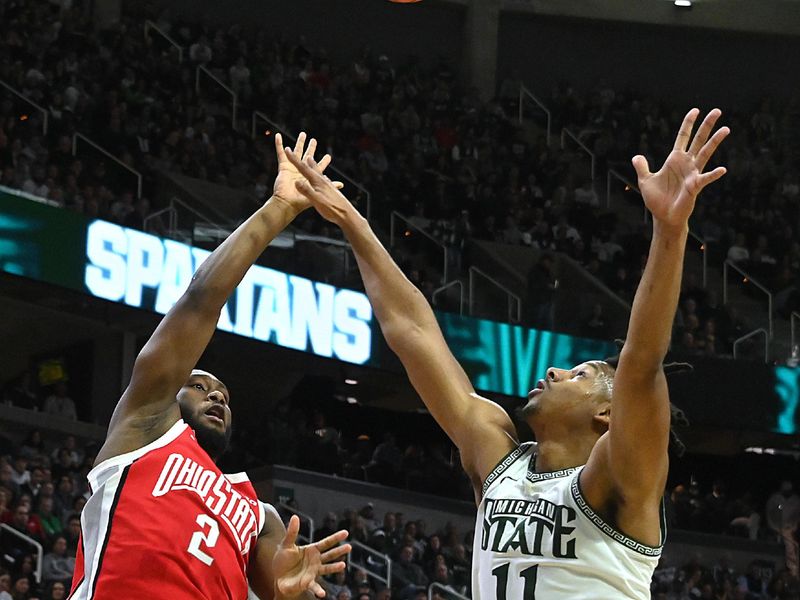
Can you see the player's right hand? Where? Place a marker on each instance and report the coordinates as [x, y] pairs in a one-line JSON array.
[[321, 192], [285, 190], [296, 568]]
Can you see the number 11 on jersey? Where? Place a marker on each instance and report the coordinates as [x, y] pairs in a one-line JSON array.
[[529, 575]]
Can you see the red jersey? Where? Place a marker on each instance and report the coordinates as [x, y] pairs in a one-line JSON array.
[[164, 522]]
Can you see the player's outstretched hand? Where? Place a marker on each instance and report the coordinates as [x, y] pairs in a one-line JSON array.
[[296, 568], [321, 192], [284, 189], [671, 192]]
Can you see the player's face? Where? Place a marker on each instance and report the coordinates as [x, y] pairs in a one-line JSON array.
[[204, 404], [563, 391]]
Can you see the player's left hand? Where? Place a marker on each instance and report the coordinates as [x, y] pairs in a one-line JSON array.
[[671, 192], [285, 189], [296, 568]]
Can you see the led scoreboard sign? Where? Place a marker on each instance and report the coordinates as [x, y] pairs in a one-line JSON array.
[[144, 271], [123, 265]]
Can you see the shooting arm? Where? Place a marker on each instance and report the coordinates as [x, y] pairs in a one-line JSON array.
[[180, 339]]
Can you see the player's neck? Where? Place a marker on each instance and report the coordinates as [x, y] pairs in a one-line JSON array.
[[558, 454]]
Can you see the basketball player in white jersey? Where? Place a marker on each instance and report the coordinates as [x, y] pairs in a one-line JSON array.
[[578, 515]]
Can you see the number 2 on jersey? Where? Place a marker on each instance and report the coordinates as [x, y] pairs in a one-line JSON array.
[[529, 575], [209, 539]]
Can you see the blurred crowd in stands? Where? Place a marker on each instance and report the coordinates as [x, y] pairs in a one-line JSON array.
[[420, 141], [43, 489]]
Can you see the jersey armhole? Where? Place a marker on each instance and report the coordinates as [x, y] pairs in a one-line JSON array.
[[504, 463], [265, 508], [613, 532]]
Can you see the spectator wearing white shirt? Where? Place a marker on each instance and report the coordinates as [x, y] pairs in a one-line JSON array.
[[60, 404]]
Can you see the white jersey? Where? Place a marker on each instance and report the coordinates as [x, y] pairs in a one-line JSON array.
[[537, 538]]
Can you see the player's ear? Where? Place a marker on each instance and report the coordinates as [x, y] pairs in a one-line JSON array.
[[602, 414]]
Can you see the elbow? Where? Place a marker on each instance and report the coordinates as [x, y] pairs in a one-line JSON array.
[[644, 362]]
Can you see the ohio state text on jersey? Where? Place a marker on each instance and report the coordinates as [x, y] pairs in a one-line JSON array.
[[164, 522]]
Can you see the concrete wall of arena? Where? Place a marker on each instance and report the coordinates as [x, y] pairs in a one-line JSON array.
[[693, 66], [318, 494], [343, 27]]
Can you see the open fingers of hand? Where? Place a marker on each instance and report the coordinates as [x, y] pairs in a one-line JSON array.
[[279, 147], [298, 146], [685, 132], [317, 589], [708, 149], [711, 176], [310, 149], [323, 162], [291, 532], [331, 541], [332, 568], [704, 131], [302, 165], [335, 553]]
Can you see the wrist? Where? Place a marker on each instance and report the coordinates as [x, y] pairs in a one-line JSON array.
[[280, 204], [353, 222], [670, 230]]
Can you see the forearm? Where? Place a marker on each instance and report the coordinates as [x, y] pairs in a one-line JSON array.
[[656, 298], [397, 302], [223, 270]]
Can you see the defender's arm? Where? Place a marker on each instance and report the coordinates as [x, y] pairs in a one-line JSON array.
[[481, 429]]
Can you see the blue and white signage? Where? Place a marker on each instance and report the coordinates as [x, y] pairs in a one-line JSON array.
[[126, 265]]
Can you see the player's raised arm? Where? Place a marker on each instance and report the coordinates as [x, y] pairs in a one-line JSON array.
[[640, 408], [481, 429], [165, 362]]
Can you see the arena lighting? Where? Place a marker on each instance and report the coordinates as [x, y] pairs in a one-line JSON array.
[[352, 400], [683, 3], [351, 382]]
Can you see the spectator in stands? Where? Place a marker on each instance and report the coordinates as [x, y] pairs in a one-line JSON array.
[[386, 462], [5, 585], [338, 584], [64, 494], [5, 504], [386, 539], [328, 527], [406, 573], [21, 393], [51, 522], [20, 474], [783, 517], [23, 586], [25, 520], [75, 454], [72, 533], [57, 565], [57, 591], [33, 446], [60, 404]]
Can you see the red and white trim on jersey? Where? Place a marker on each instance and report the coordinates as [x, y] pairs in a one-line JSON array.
[[164, 517]]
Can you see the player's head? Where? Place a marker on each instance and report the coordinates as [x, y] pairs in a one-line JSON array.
[[204, 402], [575, 399], [579, 400]]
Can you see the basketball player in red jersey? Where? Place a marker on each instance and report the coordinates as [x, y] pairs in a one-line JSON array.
[[578, 514], [163, 521]]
